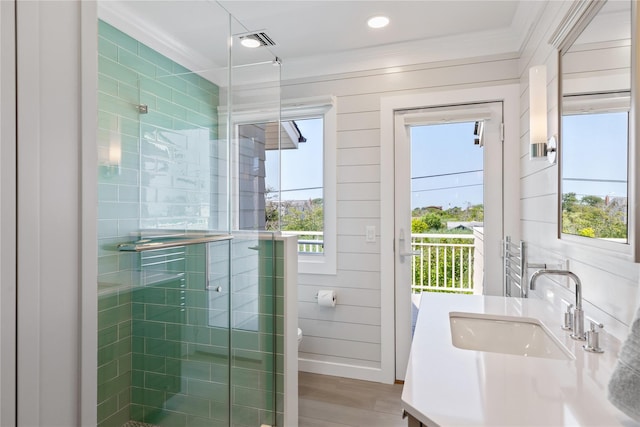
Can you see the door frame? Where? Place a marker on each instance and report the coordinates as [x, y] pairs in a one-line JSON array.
[[397, 348], [493, 200]]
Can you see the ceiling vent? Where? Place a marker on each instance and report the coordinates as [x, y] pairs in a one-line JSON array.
[[261, 37]]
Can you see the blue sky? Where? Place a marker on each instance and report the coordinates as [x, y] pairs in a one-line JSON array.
[[436, 149], [301, 168], [595, 148], [445, 149]]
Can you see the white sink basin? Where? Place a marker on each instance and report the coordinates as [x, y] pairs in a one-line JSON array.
[[505, 334]]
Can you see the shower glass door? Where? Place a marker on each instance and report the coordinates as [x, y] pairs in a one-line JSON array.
[[189, 313], [257, 294]]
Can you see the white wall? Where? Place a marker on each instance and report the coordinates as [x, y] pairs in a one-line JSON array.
[[53, 302], [7, 215], [610, 283], [346, 341]]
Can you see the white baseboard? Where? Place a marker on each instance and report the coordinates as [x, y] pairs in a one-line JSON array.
[[340, 370]]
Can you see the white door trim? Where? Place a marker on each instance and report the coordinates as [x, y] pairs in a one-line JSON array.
[[89, 205], [510, 96], [51, 277]]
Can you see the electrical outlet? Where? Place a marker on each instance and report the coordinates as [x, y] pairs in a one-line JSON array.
[[370, 234]]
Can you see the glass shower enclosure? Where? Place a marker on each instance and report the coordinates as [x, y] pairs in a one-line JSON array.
[[190, 295]]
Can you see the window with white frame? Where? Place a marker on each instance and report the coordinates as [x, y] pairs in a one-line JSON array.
[[286, 179]]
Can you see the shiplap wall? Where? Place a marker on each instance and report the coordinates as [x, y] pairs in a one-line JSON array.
[[349, 335], [610, 282], [346, 340]]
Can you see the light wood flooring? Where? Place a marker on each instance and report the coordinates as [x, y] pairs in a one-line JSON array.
[[326, 401]]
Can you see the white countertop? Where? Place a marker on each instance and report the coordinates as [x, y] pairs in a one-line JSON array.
[[449, 386]]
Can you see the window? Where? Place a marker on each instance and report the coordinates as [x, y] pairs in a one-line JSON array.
[[594, 186], [286, 179]]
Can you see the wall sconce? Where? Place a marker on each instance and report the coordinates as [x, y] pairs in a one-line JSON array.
[[540, 148], [115, 155], [112, 158]]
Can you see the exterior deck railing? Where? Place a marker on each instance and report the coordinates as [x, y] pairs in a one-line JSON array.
[[309, 242], [444, 264]]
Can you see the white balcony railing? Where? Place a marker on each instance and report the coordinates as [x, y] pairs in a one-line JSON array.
[[309, 242], [445, 262]]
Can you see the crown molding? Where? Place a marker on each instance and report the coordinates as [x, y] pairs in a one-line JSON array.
[[576, 19], [523, 24]]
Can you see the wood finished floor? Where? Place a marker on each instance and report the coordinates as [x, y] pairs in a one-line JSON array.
[[326, 401]]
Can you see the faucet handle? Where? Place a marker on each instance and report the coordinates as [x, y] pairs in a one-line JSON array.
[[593, 336], [567, 323]]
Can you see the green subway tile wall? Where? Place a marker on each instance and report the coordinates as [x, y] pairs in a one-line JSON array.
[[140, 185], [257, 377], [184, 373], [165, 353], [114, 356]]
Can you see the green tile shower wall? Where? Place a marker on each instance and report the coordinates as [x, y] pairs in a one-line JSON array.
[[258, 356], [181, 358], [180, 364], [114, 356], [150, 188], [183, 114]]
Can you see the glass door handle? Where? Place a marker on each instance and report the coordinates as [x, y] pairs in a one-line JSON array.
[[412, 253], [401, 246]]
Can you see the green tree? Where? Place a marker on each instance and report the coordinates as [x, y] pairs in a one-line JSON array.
[[271, 210], [418, 226], [591, 216], [476, 213], [433, 221], [592, 201], [306, 217], [587, 232], [569, 200]]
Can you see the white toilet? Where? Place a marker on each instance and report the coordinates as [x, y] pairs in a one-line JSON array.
[[299, 336]]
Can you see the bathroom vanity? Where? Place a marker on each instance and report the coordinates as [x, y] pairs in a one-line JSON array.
[[523, 370]]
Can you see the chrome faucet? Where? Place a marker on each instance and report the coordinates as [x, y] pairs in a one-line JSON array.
[[578, 313]]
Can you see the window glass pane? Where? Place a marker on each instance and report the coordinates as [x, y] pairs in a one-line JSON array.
[[294, 194], [594, 175]]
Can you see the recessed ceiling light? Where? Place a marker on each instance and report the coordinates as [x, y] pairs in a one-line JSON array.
[[378, 22], [250, 42]]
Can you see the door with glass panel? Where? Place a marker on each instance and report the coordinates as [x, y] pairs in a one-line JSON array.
[[448, 208]]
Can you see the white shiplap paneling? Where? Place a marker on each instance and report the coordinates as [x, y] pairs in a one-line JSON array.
[[346, 340], [345, 279], [341, 331], [358, 209], [358, 191], [610, 281], [367, 173], [358, 156], [359, 138]]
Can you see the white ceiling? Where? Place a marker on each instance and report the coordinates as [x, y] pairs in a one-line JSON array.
[[329, 36]]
